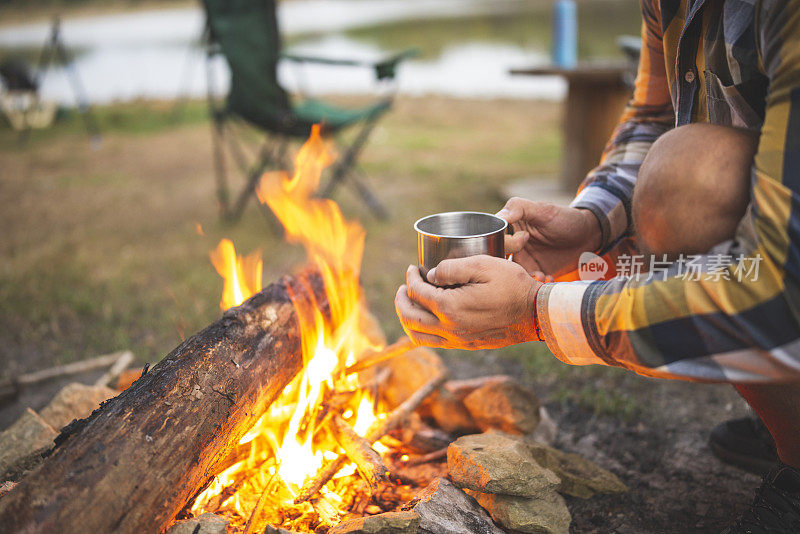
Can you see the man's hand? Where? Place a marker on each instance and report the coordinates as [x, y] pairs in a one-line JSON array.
[[476, 302], [549, 238]]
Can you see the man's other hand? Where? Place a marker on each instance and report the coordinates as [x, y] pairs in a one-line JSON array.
[[549, 238], [470, 303]]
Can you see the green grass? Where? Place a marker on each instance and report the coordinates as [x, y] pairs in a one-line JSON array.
[[136, 118]]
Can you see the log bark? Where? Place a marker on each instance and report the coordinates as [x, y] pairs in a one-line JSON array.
[[139, 458]]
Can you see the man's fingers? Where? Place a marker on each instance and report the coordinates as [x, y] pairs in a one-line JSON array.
[[411, 315], [515, 243], [461, 271], [421, 292], [539, 275], [428, 340], [513, 210]]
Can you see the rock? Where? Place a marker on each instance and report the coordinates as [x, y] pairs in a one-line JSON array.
[[546, 430], [22, 443], [505, 406], [443, 508], [274, 530], [461, 388], [450, 414], [579, 477], [498, 463], [206, 523], [74, 401], [370, 327], [410, 372], [546, 513], [388, 523]]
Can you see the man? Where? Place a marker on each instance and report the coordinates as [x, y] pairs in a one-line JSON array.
[[724, 184]]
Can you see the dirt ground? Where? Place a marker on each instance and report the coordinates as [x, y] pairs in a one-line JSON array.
[[99, 251]]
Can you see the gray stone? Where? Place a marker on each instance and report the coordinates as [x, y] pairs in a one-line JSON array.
[[206, 523], [449, 413], [74, 401], [443, 508], [504, 405], [497, 463], [388, 523], [546, 513], [22, 443], [275, 530], [547, 430], [579, 477]]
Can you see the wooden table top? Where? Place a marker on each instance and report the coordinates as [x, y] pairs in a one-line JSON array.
[[583, 73]]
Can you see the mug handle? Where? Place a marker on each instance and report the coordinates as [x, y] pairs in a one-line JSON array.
[[509, 231]]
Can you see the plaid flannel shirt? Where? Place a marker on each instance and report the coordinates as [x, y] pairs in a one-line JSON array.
[[728, 62]]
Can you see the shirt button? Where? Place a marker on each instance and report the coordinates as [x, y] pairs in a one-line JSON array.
[[689, 76]]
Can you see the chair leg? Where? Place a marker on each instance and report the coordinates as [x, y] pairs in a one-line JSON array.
[[366, 194], [344, 170], [223, 196]]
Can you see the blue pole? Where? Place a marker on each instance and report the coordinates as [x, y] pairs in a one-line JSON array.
[[565, 34]]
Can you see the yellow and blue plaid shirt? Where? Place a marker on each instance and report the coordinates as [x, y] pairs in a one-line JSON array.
[[728, 62]]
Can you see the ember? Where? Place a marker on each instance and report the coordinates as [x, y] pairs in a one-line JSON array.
[[314, 455]]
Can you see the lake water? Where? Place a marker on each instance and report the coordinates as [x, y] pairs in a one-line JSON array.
[[467, 47]]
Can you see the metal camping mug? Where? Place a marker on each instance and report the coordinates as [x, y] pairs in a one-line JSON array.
[[458, 234]]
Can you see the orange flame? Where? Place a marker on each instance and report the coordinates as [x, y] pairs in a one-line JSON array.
[[285, 447], [242, 275]]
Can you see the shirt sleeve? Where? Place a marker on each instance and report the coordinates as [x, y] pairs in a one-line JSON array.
[[608, 188], [741, 326]]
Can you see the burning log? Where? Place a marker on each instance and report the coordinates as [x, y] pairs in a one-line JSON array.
[[374, 433], [368, 462], [137, 460]]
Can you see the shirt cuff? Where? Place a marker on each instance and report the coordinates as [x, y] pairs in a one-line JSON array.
[[609, 210], [560, 312]]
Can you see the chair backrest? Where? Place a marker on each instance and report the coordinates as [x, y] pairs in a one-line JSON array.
[[247, 33]]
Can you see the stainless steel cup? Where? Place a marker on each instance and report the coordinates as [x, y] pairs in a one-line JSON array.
[[458, 234]]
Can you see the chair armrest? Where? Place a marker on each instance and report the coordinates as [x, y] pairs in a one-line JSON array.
[[385, 68]]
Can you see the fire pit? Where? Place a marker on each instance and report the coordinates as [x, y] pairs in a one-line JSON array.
[[292, 412]]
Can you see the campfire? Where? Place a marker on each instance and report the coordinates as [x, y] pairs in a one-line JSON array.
[[315, 456], [292, 414]]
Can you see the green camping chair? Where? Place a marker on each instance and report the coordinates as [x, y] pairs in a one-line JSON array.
[[246, 33]]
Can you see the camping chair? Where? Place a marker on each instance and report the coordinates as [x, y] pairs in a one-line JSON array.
[[246, 33], [20, 99]]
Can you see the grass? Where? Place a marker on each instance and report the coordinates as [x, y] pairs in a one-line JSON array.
[[100, 252]]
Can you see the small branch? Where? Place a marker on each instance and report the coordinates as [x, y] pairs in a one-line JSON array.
[[425, 458], [69, 369], [368, 462], [255, 515], [401, 346], [375, 432], [122, 363]]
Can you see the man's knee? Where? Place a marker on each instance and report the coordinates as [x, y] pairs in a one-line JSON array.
[[693, 188]]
